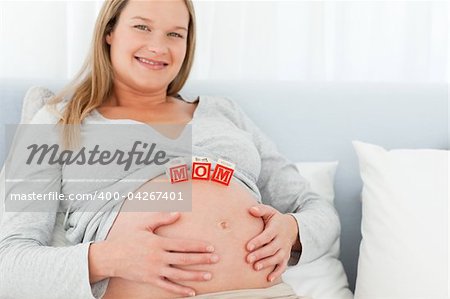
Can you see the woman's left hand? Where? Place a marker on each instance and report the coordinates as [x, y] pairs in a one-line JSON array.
[[272, 246]]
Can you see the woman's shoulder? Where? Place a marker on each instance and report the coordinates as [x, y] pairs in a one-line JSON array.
[[211, 101], [223, 106], [227, 107], [48, 114], [222, 103], [39, 106]]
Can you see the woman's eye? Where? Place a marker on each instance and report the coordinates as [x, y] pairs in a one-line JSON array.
[[176, 34], [141, 27]]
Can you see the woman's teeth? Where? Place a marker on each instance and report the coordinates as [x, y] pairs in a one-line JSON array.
[[150, 62]]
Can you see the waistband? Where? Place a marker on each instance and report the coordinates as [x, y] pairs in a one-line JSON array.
[[278, 291]]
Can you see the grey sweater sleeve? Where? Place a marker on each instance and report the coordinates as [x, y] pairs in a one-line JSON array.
[[29, 268], [282, 187]]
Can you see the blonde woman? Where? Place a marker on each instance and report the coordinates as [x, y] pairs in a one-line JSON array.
[[141, 56]]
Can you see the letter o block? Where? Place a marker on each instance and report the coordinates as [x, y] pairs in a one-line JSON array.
[[201, 168]]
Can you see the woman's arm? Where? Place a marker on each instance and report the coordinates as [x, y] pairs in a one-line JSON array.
[[29, 268], [282, 187], [100, 265]]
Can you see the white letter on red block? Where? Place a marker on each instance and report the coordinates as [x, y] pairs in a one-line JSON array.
[[177, 170], [201, 168], [223, 172]]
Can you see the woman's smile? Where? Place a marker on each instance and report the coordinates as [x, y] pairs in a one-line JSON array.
[[151, 64]]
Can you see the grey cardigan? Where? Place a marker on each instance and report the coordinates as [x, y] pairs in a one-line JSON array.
[[31, 268]]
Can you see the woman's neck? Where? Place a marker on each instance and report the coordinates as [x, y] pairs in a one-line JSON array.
[[131, 98]]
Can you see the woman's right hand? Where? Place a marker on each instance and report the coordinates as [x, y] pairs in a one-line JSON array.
[[142, 256]]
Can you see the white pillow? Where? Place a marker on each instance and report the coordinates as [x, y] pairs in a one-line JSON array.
[[323, 278], [403, 252]]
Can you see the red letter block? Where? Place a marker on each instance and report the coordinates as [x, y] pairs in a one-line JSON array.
[[223, 172], [177, 170], [201, 168]]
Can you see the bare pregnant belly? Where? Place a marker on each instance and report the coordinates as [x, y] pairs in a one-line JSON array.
[[219, 216]]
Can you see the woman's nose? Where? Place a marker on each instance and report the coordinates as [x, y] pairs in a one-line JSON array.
[[157, 44]]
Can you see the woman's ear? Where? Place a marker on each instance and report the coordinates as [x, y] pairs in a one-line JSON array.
[[108, 38]]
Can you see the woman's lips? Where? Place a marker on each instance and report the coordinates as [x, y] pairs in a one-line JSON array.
[[151, 64]]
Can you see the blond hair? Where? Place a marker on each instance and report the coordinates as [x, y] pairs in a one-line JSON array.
[[93, 84]]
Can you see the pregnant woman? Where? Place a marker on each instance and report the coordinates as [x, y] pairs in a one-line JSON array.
[[237, 240]]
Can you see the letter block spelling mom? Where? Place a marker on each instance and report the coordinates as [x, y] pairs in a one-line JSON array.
[[223, 172], [201, 168], [177, 170]]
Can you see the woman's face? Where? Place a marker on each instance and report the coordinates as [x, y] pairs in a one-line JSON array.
[[154, 30]]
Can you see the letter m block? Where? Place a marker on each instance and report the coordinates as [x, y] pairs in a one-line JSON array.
[[177, 170], [223, 172]]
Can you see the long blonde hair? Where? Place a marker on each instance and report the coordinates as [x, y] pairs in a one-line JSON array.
[[93, 84]]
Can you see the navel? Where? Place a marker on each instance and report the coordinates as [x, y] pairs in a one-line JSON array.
[[224, 225]]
